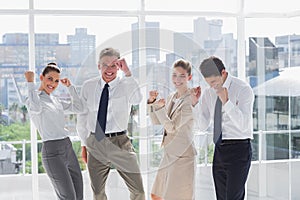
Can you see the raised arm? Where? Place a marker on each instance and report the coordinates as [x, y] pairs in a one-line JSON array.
[[33, 100], [76, 104]]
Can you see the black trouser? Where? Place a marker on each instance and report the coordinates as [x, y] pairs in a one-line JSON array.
[[231, 165], [62, 167]]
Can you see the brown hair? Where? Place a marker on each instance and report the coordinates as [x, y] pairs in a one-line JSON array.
[[184, 64], [51, 67], [211, 66]]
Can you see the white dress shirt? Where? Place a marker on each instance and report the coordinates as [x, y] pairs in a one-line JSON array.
[[122, 94], [47, 112], [237, 122]]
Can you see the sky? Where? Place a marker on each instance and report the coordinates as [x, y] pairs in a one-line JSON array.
[[107, 27]]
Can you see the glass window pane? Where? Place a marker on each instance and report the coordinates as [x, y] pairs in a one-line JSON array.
[[196, 38], [273, 68], [193, 5], [271, 27], [14, 4], [14, 122], [87, 5], [78, 41], [271, 6]]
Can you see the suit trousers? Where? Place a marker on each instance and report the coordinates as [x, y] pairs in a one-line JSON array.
[[114, 152], [231, 166], [62, 167]]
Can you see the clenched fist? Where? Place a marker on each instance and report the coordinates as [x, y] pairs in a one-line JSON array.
[[65, 81], [29, 75], [152, 96]]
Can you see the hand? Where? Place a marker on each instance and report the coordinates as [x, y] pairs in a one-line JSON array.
[[152, 96], [66, 82], [29, 75], [222, 94], [161, 103], [84, 154], [195, 94], [122, 65]]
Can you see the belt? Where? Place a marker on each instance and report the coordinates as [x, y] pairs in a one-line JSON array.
[[113, 134], [237, 141]]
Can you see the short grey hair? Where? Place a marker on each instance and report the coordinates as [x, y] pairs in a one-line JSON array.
[[109, 52]]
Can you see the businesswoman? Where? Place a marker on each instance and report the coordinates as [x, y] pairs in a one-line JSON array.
[[47, 114], [175, 178]]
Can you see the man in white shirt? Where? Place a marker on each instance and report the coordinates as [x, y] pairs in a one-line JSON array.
[[233, 127], [111, 146]]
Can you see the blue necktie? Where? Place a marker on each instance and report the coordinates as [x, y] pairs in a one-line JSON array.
[[218, 121], [102, 113]]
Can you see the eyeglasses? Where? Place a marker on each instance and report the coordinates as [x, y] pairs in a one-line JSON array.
[[112, 66]]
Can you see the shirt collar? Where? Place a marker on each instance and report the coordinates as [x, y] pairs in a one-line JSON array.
[[111, 84], [42, 92], [227, 81]]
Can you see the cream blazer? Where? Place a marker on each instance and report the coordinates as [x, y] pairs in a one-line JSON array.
[[178, 122]]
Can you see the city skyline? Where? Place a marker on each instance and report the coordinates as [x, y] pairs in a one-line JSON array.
[[254, 27]]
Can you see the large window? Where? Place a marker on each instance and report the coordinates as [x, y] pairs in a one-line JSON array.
[[258, 41], [272, 69], [14, 122]]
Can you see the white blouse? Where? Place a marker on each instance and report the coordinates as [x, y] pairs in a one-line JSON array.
[[47, 112]]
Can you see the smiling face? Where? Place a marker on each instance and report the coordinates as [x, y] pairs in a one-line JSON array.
[[216, 82], [49, 81], [108, 68], [180, 78]]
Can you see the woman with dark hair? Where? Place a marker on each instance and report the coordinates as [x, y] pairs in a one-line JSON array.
[[47, 114]]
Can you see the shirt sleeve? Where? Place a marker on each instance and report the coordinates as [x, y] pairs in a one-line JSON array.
[[151, 111], [75, 105], [201, 112], [241, 113], [33, 100], [82, 117], [133, 90]]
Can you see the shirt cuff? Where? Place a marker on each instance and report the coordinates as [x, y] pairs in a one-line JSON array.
[[128, 77], [71, 88]]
